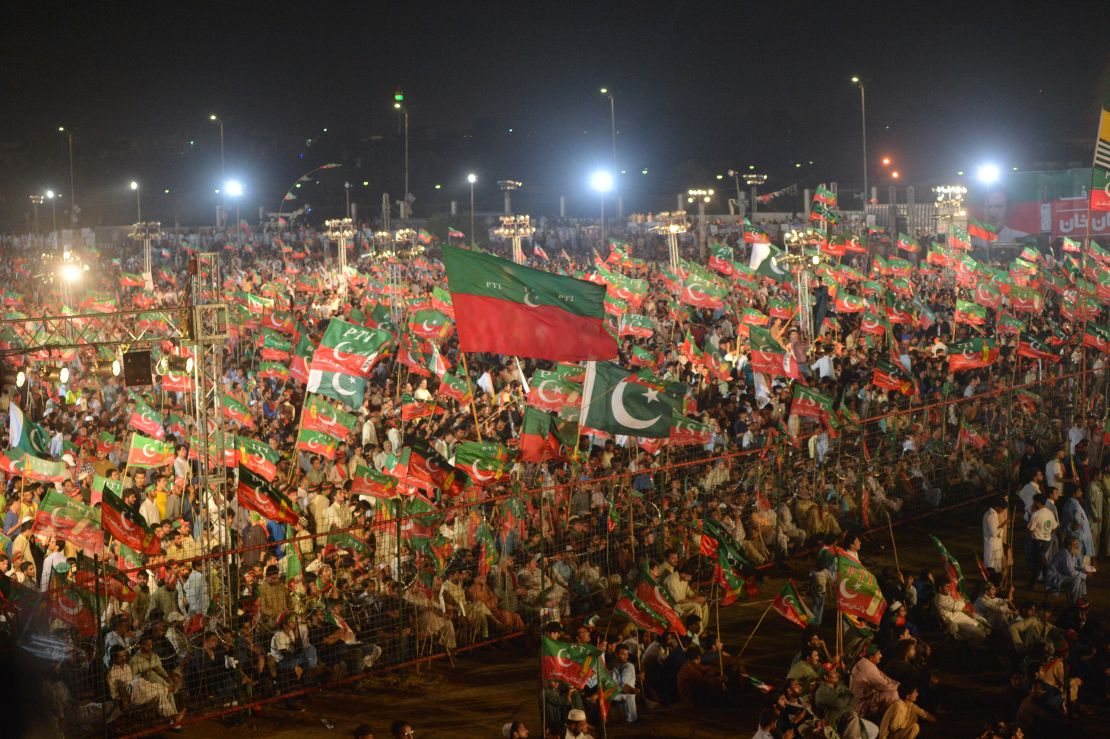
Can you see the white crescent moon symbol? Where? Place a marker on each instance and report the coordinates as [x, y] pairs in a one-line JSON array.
[[424, 325], [775, 266], [868, 324], [478, 472], [335, 384], [528, 300], [540, 393], [844, 591], [563, 661], [338, 354], [622, 416]]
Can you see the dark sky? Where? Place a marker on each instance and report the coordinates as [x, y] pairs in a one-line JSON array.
[[698, 85]]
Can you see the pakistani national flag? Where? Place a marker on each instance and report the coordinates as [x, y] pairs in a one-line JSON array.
[[485, 462], [615, 400], [316, 442], [769, 357], [146, 452], [25, 434], [65, 518], [772, 268], [349, 349], [146, 420], [506, 308], [572, 664], [347, 389], [320, 415], [258, 457], [858, 592]]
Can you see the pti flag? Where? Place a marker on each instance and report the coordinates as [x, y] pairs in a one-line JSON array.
[[259, 457], [858, 592], [64, 518], [506, 308], [539, 440], [791, 606], [349, 349], [1100, 172], [568, 663], [769, 357], [254, 493], [615, 400], [126, 526], [146, 452]]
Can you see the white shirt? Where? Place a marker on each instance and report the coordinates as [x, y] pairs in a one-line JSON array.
[[149, 511], [1076, 434], [992, 541], [1054, 473], [1042, 523], [1026, 494]]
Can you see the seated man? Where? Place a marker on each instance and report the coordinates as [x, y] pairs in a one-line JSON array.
[[624, 674], [836, 703], [1065, 573], [874, 689], [287, 651], [958, 617], [687, 602]]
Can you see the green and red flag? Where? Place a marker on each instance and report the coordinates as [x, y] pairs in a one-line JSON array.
[[858, 592], [302, 355], [635, 325], [255, 494], [791, 606], [968, 436], [769, 357], [430, 324], [275, 347], [413, 409], [908, 243], [970, 313], [485, 461], [237, 412], [549, 391], [317, 442], [1033, 348], [506, 308], [951, 565], [875, 324], [149, 453], [349, 349], [958, 238], [846, 303], [427, 469], [972, 354], [1007, 324], [62, 517], [258, 457], [980, 230], [686, 431], [454, 387], [640, 613], [1071, 246], [146, 420], [1025, 300], [539, 438], [809, 403], [130, 279], [368, 481], [1096, 337], [127, 526], [652, 594], [320, 415], [572, 664], [273, 371], [720, 260], [892, 376]]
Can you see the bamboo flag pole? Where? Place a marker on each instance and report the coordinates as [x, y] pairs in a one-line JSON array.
[[893, 544], [755, 629], [470, 390]]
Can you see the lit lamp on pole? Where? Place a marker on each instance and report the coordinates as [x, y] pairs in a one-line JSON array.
[[735, 175], [138, 200], [220, 215], [234, 190], [73, 209], [753, 180], [146, 232], [671, 225], [341, 230], [507, 187], [516, 228], [53, 211], [472, 178], [863, 125], [602, 182], [701, 196], [402, 109]]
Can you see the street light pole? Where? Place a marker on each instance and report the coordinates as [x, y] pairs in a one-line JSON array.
[[138, 201], [472, 178], [223, 202], [72, 197], [53, 212], [863, 117], [613, 131], [398, 104]]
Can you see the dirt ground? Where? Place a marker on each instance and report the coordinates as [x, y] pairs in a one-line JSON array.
[[491, 686]]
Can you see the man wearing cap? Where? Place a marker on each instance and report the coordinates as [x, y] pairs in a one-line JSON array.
[[577, 728]]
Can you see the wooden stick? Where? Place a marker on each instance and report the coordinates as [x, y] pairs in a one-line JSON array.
[[470, 389], [890, 528], [755, 629]]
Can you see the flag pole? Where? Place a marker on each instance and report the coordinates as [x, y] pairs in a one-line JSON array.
[[470, 390], [755, 629], [300, 427], [894, 546]]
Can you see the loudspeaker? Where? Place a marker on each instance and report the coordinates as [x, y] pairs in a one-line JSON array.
[[137, 369]]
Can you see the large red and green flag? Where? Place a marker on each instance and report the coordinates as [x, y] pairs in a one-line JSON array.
[[769, 357], [548, 391], [972, 354], [368, 481], [130, 279], [146, 420], [349, 349], [858, 592], [485, 461], [987, 294], [1025, 300], [30, 467], [320, 415], [255, 494], [980, 230], [640, 613], [1007, 324], [697, 293], [892, 376], [968, 436], [652, 594], [686, 431], [958, 238], [572, 664], [317, 442], [846, 303], [275, 347], [441, 301], [413, 409], [1096, 337], [632, 324], [616, 401], [539, 439], [951, 565], [273, 371], [237, 412], [126, 526], [428, 469], [908, 243], [454, 387], [1071, 246], [721, 258], [875, 324], [506, 308], [62, 517], [259, 457], [791, 606], [430, 324], [1033, 348], [149, 453], [302, 355], [970, 313], [938, 256], [809, 403]]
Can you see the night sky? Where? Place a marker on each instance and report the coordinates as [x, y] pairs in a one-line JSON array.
[[699, 86]]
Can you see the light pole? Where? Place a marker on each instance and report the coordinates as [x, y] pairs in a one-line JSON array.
[[753, 181], [602, 181], [671, 225], [347, 190], [147, 232], [735, 175], [341, 230], [701, 196], [36, 201], [53, 212], [472, 178], [72, 198], [613, 131], [220, 122], [863, 116], [234, 190], [516, 228], [138, 201], [399, 104], [507, 187]]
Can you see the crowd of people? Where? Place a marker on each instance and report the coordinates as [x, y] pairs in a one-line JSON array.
[[230, 607]]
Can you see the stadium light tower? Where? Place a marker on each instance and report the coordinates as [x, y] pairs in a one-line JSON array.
[[863, 116], [988, 174], [602, 182]]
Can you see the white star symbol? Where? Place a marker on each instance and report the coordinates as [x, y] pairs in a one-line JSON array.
[[652, 395]]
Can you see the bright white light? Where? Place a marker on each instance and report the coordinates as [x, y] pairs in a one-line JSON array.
[[472, 178], [234, 188], [21, 379], [63, 376], [49, 194], [601, 181], [988, 173], [116, 368], [134, 185], [70, 272]]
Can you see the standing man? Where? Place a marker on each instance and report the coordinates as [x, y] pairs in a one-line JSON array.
[[994, 556], [1041, 526]]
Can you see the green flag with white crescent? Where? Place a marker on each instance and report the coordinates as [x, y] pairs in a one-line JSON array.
[[615, 400]]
